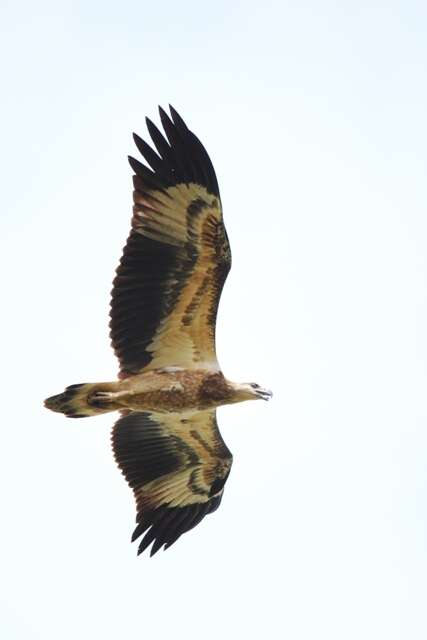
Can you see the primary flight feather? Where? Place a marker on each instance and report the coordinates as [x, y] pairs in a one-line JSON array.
[[163, 313]]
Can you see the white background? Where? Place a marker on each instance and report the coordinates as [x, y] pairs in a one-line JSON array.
[[314, 114]]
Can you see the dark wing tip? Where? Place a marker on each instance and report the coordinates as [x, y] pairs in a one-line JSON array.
[[167, 524], [135, 164], [168, 126], [183, 159], [136, 138], [153, 129], [178, 121], [162, 112]]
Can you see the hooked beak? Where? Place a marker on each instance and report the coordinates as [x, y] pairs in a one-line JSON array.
[[265, 394]]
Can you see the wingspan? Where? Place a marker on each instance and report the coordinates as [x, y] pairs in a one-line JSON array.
[[177, 465], [177, 257]]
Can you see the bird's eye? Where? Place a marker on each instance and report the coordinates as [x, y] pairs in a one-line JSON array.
[[254, 385]]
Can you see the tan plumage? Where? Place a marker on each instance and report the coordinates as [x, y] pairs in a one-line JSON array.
[[163, 313]]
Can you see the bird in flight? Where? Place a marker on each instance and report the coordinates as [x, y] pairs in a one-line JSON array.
[[163, 313]]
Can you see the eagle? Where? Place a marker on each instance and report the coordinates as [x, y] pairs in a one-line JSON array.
[[163, 313]]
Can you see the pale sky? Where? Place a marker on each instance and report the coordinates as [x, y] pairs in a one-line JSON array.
[[314, 115]]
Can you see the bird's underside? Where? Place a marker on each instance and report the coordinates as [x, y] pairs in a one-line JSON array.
[[163, 314], [167, 390], [164, 391]]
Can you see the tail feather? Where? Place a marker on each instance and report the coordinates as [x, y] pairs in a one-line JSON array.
[[75, 401]]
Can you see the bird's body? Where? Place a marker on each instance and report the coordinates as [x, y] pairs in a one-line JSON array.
[[167, 390], [163, 314]]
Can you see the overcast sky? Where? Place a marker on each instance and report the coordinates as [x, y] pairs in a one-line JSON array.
[[314, 114]]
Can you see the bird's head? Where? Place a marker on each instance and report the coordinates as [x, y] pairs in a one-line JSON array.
[[251, 391]]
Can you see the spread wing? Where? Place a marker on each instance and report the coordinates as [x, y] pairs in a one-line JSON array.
[[166, 293], [177, 465]]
